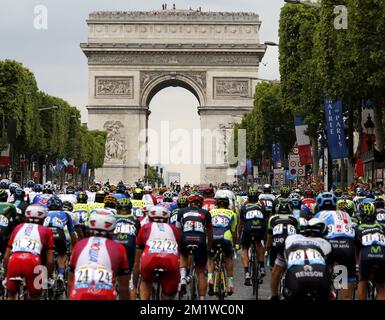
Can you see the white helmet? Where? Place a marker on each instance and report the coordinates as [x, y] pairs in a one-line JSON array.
[[102, 220], [158, 214], [147, 208], [147, 189], [35, 212]]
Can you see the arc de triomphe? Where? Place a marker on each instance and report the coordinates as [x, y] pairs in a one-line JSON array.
[[134, 55]]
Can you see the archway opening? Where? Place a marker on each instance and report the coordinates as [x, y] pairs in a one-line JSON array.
[[173, 133]]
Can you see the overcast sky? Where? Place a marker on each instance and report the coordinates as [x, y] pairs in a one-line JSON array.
[[60, 67]]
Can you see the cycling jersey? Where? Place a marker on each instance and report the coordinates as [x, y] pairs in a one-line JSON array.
[[380, 216], [254, 217], [42, 199], [338, 222], [209, 204], [224, 222], [160, 242], [27, 242], [126, 230], [68, 197], [229, 194], [150, 199], [370, 242], [308, 262], [170, 206], [137, 206], [96, 262]]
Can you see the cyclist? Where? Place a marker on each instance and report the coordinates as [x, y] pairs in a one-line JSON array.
[[182, 202], [48, 188], [137, 202], [68, 208], [19, 200], [267, 198], [282, 198], [57, 219], [307, 261], [341, 236], [280, 226], [209, 200], [380, 210], [224, 222], [37, 189], [148, 196], [110, 203], [253, 221], [195, 224], [24, 253], [224, 189], [97, 262], [338, 193], [370, 244], [126, 230], [168, 202], [157, 247]]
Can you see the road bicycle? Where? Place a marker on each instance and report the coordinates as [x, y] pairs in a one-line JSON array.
[[191, 279], [254, 267], [156, 293], [219, 273]]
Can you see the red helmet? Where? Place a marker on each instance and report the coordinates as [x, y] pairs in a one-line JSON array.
[[196, 198], [208, 192]]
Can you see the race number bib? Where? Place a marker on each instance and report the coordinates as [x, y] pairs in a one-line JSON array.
[[26, 245], [174, 219], [98, 277], [298, 257], [381, 217], [137, 212], [220, 221], [254, 214], [278, 229], [162, 246], [374, 238], [125, 228], [4, 221], [53, 222], [82, 215], [193, 226], [341, 229]]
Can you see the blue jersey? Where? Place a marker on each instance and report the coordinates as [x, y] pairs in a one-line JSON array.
[[42, 199], [170, 206], [338, 222], [59, 219], [119, 196]]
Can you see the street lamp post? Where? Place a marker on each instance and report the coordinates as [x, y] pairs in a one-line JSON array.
[[369, 126]]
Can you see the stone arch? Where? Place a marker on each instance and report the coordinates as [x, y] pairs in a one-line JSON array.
[[193, 82]]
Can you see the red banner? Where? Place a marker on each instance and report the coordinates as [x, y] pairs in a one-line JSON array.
[[305, 154]]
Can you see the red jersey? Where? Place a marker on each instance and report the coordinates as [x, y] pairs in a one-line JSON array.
[[309, 202], [209, 204], [31, 238], [96, 261]]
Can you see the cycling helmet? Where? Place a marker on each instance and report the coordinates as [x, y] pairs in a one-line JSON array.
[[4, 184], [137, 194], [30, 184], [106, 189], [182, 202], [285, 190], [68, 206], [222, 201], [379, 203], [19, 193], [99, 197], [316, 226], [167, 197], [93, 188], [147, 189], [124, 204], [224, 186], [3, 195], [267, 188], [195, 198], [283, 208], [121, 189], [338, 193], [70, 190], [101, 221], [38, 188], [13, 186], [326, 201], [35, 213], [346, 206], [360, 192], [208, 192], [295, 196], [367, 211], [54, 203], [147, 208], [82, 197], [48, 187], [110, 202], [309, 193], [253, 195], [158, 214]]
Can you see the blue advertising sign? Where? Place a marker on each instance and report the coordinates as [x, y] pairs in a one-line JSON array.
[[335, 130], [83, 170], [249, 167]]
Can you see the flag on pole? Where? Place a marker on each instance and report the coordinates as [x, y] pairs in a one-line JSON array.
[[4, 157], [83, 170], [303, 141], [65, 162]]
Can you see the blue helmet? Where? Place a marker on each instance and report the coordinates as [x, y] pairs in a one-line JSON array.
[[30, 184], [19, 193], [38, 188], [326, 201], [54, 203], [121, 188]]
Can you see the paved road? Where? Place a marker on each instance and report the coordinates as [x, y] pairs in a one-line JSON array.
[[246, 293]]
